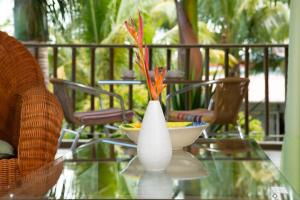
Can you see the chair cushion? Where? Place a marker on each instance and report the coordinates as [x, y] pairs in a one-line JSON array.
[[196, 115], [103, 116], [5, 148]]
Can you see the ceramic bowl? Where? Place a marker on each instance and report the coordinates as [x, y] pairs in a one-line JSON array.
[[182, 133]]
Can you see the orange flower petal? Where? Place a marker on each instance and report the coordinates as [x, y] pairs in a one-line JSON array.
[[141, 30], [142, 59]]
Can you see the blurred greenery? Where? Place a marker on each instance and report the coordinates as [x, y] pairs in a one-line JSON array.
[[246, 21], [5, 24], [256, 130], [234, 21]]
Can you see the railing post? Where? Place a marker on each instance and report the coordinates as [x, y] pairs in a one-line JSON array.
[[286, 62], [92, 75], [266, 71], [207, 92], [36, 53], [187, 75], [111, 74], [92, 82], [55, 52], [226, 70], [73, 78], [226, 62], [247, 94], [150, 58], [168, 66], [130, 96]]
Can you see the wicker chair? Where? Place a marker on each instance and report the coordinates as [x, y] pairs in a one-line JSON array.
[[224, 105], [62, 89], [30, 116], [36, 184]]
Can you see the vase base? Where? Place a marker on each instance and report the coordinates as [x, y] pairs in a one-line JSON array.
[[154, 170]]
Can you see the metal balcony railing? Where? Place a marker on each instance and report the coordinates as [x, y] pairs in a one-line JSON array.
[[227, 48]]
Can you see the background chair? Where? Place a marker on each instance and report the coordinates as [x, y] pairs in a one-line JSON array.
[[30, 116], [223, 107], [83, 119]]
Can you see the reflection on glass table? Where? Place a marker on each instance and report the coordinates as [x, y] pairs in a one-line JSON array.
[[183, 166], [102, 170]]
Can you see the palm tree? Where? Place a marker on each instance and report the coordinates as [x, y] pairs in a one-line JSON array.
[[246, 21], [188, 31], [31, 24]]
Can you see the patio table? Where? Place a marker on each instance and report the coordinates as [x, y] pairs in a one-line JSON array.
[[121, 82], [209, 169], [138, 82]]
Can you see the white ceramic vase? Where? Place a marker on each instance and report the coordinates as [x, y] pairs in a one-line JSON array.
[[154, 146]]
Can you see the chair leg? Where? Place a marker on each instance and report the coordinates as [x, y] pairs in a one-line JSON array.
[[111, 127], [62, 134], [205, 134], [240, 131], [75, 142], [61, 137]]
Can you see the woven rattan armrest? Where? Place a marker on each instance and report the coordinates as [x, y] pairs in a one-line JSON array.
[[9, 174], [41, 118]]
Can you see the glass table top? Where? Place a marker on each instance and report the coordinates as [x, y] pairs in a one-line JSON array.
[[209, 169]]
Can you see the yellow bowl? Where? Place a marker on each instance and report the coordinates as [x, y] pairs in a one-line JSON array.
[[181, 133]]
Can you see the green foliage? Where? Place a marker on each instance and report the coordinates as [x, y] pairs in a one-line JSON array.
[[163, 14], [246, 21], [276, 62], [94, 17], [256, 130]]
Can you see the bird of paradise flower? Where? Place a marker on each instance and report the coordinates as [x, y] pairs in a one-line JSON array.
[[156, 86]]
